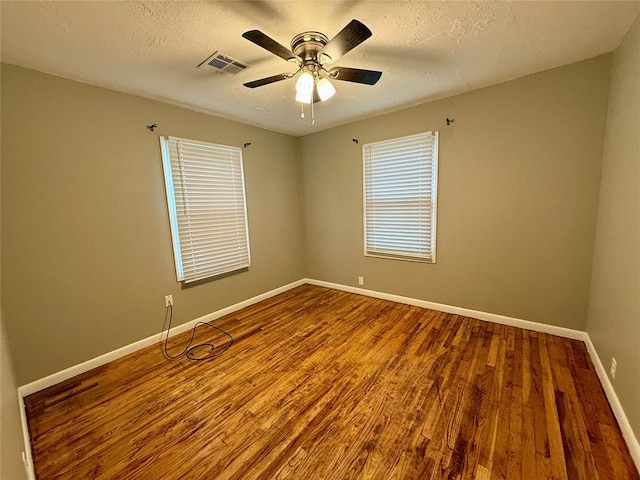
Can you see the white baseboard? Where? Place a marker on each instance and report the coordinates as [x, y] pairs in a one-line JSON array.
[[441, 307], [58, 377], [27, 457], [70, 372], [623, 422], [616, 406]]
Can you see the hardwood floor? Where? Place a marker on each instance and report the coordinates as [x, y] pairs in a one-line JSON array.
[[323, 384]]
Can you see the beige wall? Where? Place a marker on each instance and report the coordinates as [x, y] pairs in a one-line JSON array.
[[614, 308], [11, 440], [86, 246], [518, 191]]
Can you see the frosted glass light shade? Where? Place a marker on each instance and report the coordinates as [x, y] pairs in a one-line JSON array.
[[304, 88], [305, 82], [325, 89]]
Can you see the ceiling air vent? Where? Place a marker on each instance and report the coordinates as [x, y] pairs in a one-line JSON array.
[[221, 63]]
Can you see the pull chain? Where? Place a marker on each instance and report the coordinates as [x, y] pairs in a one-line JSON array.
[[301, 110], [313, 118]]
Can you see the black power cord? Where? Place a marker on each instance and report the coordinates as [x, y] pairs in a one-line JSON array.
[[190, 349]]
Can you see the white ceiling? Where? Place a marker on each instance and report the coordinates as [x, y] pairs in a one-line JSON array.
[[426, 50]]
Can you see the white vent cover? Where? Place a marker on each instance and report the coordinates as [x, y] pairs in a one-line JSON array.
[[222, 63]]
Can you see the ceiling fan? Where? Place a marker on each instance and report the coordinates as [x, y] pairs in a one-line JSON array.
[[313, 52]]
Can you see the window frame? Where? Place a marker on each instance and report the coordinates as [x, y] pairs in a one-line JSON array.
[[399, 255], [172, 209]]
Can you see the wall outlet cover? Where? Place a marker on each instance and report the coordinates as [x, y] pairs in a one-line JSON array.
[[614, 366]]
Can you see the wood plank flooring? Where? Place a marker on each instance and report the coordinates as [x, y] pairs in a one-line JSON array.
[[323, 384]]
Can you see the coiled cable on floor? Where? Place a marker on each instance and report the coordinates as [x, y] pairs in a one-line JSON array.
[[190, 348]]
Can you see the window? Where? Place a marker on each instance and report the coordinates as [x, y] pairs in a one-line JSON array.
[[207, 208], [400, 191]]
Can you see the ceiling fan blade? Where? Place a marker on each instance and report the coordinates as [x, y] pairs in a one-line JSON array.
[[268, 43], [347, 39], [267, 80], [356, 75]]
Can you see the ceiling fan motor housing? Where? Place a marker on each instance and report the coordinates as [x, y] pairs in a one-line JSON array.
[[307, 45]]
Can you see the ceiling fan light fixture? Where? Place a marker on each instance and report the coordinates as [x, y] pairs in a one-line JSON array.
[[326, 90]]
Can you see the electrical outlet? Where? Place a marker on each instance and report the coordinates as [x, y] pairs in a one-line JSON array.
[[360, 280], [168, 300], [614, 365]]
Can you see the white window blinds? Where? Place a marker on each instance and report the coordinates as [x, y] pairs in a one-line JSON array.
[[207, 208], [400, 189]]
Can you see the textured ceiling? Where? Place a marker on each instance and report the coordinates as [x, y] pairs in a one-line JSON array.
[[426, 50]]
